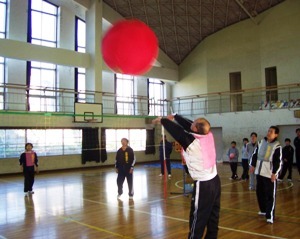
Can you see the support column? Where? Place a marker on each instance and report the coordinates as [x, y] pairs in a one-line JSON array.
[[93, 42]]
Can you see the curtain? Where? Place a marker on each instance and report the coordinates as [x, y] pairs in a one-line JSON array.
[[103, 154], [90, 145], [150, 141]]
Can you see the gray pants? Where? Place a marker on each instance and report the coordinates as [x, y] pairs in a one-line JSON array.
[[252, 181]]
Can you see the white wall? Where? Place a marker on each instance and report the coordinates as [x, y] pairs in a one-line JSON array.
[[248, 48], [236, 126]]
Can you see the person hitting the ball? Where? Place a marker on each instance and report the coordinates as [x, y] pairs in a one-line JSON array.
[[199, 152]]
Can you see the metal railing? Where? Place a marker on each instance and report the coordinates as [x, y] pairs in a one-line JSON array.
[[281, 97], [38, 99]]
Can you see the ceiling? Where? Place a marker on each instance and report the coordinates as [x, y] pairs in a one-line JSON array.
[[180, 25]]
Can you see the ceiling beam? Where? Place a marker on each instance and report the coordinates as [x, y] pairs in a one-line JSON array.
[[246, 11]]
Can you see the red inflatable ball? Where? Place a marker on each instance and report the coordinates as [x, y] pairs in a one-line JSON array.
[[130, 47]]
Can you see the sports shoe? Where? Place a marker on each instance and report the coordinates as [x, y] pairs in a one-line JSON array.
[[119, 196], [130, 197], [270, 221], [169, 175], [160, 175], [31, 192], [290, 180], [230, 178], [26, 194], [261, 213], [279, 180]]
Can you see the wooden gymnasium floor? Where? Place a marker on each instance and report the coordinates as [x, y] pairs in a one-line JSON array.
[[83, 204]]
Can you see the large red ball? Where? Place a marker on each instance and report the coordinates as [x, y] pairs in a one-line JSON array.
[[130, 47]]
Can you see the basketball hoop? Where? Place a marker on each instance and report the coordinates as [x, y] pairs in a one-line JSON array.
[[91, 120]]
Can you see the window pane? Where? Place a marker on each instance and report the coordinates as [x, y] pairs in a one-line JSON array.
[[43, 6], [54, 142], [1, 73], [2, 19], [14, 142], [38, 139], [45, 141], [72, 141], [121, 133], [137, 139], [36, 25], [81, 33], [49, 27], [2, 143]]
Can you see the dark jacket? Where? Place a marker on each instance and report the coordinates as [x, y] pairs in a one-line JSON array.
[[125, 159], [22, 160], [288, 154]]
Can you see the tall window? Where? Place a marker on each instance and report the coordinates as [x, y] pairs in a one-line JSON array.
[[80, 45], [236, 101], [155, 95], [271, 83], [43, 23], [3, 7], [42, 77], [46, 141], [2, 83], [124, 94], [136, 137], [42, 96]]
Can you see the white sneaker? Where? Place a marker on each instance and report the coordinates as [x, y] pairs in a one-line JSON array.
[[31, 192], [169, 175], [270, 221], [130, 197], [261, 213], [290, 180], [279, 180], [160, 175], [26, 194], [119, 196]]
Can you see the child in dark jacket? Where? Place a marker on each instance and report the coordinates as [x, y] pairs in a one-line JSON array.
[[29, 163], [287, 158]]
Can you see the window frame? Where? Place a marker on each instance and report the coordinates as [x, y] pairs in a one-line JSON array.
[[30, 95], [155, 104], [79, 97], [118, 98], [29, 27]]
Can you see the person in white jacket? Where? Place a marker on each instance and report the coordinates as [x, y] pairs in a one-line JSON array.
[[266, 162], [199, 152]]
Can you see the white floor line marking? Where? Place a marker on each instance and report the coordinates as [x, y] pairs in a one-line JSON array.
[[183, 220], [251, 233]]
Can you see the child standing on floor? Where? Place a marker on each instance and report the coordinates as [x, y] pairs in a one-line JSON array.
[[29, 163], [245, 163], [233, 155], [287, 160]]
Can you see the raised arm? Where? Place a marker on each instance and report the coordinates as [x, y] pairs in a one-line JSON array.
[[184, 122], [177, 132]]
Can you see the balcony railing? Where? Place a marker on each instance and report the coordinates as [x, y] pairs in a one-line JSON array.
[[281, 97], [38, 99]]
